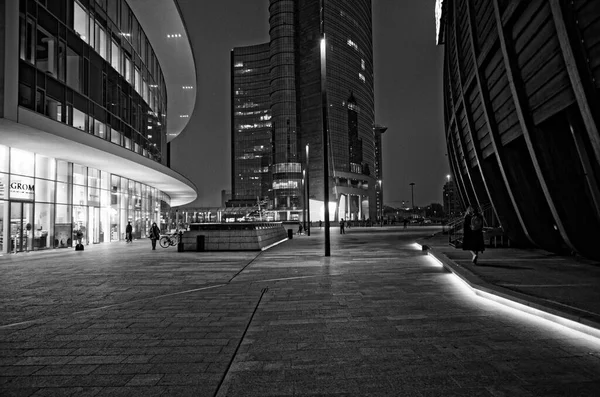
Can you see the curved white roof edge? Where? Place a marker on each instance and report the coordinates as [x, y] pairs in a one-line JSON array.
[[39, 134], [163, 24]]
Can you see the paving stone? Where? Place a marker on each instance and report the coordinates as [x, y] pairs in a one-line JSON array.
[[374, 319]]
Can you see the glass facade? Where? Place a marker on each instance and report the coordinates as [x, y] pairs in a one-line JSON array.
[[251, 127], [49, 203], [88, 64], [296, 104]]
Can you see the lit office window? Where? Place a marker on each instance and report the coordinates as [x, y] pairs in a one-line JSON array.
[[128, 70], [100, 42], [138, 81], [79, 119], [115, 59], [80, 21], [27, 49]]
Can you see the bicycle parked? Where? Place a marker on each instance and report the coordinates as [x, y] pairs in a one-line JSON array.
[[170, 240]]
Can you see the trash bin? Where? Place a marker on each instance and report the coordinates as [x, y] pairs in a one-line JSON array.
[[200, 243], [290, 234]]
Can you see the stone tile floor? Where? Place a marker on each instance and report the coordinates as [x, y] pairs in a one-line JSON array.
[[376, 318]]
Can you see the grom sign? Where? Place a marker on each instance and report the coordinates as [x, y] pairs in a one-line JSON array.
[[21, 188]]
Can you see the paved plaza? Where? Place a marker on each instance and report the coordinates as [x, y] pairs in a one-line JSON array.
[[377, 318]]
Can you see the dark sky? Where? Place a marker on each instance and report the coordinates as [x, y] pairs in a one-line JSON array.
[[408, 95]]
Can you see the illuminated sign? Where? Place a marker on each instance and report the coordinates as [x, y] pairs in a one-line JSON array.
[[439, 4], [22, 189]]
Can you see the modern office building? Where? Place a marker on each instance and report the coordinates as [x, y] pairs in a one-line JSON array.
[[378, 130], [297, 91], [251, 123], [84, 121], [451, 200], [522, 110]]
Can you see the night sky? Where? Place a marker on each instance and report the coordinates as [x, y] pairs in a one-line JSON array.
[[408, 95]]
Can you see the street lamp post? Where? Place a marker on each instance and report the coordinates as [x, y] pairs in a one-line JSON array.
[[325, 132], [306, 184], [412, 194], [304, 194], [380, 203]]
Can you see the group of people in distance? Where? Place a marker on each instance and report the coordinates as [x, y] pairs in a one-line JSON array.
[[154, 234]]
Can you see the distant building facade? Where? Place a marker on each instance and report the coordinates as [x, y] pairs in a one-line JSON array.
[[451, 198], [522, 115], [296, 109]]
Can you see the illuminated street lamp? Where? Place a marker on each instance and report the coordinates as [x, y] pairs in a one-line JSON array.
[[412, 193], [307, 192], [380, 203]]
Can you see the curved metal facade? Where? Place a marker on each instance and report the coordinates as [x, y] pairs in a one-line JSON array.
[[521, 96]]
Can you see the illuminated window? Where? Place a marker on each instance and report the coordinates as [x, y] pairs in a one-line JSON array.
[[362, 64], [115, 60], [80, 21], [352, 44], [100, 42], [361, 77]]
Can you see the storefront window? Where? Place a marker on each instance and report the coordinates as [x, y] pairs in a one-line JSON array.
[[3, 216], [80, 229], [21, 162], [45, 167], [44, 191], [104, 180], [79, 195], [63, 171], [63, 193], [79, 174], [63, 227], [43, 234], [3, 158], [3, 186]]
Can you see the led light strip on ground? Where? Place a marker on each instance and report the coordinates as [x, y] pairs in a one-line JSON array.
[[578, 329]]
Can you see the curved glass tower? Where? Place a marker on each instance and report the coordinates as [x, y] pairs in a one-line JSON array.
[[296, 105]]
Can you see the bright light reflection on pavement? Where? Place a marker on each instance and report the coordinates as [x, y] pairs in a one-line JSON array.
[[527, 314], [434, 261]]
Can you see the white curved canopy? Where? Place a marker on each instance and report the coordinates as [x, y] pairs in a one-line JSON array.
[[164, 27]]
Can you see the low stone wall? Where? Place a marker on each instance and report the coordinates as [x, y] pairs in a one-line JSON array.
[[251, 236]]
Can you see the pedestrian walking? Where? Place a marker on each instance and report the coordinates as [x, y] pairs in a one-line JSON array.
[[320, 223], [342, 226], [128, 233], [473, 233], [405, 222], [154, 234], [299, 229]]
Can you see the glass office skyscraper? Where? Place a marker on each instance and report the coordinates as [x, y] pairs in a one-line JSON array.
[[296, 107]]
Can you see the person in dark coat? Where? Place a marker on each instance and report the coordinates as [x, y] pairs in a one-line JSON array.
[[342, 226], [154, 234], [472, 239], [128, 233]]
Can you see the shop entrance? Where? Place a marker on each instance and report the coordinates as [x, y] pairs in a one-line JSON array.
[[21, 226]]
